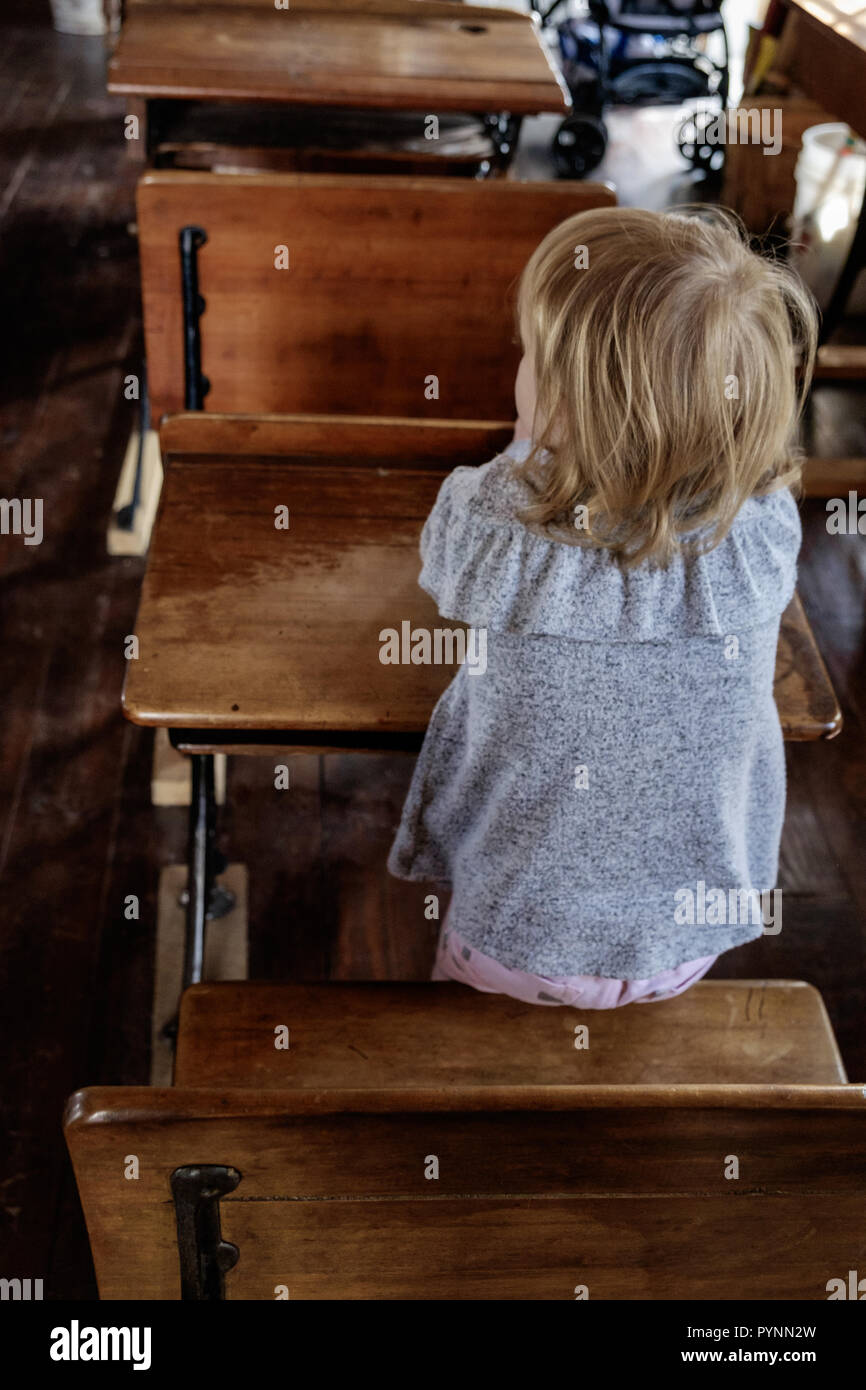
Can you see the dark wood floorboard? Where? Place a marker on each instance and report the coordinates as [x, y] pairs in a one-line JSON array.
[[77, 831], [70, 329]]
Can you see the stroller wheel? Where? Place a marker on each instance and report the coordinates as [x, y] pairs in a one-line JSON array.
[[695, 146], [578, 146], [659, 84]]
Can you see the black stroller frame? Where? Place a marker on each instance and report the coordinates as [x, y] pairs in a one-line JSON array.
[[684, 73]]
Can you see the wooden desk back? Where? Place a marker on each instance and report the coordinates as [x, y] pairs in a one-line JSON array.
[[391, 283], [625, 1191]]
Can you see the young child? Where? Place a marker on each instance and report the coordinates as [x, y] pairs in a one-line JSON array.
[[618, 766]]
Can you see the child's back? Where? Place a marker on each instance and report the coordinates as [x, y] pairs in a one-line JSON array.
[[606, 797], [622, 743]]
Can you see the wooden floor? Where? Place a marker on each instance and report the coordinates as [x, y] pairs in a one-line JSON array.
[[77, 831]]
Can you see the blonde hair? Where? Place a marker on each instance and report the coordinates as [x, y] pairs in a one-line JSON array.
[[666, 377]]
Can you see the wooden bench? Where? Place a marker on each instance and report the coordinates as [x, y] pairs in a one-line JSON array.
[[391, 282], [232, 61], [426, 1142]]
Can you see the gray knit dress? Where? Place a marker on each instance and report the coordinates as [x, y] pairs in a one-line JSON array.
[[620, 756]]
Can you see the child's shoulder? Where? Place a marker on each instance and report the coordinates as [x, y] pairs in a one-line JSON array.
[[483, 565], [494, 492], [776, 510], [497, 493]]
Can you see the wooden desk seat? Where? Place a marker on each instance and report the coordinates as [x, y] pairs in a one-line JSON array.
[[258, 630], [423, 1142], [387, 1036]]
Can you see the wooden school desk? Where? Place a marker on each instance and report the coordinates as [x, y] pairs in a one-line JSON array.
[[395, 285], [424, 56], [300, 1172], [259, 640]]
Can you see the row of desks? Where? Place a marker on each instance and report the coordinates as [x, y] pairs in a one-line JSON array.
[[256, 638], [392, 285]]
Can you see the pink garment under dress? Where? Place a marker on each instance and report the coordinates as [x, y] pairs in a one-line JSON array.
[[456, 960]]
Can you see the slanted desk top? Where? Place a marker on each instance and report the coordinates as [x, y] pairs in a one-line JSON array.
[[246, 627], [397, 54]]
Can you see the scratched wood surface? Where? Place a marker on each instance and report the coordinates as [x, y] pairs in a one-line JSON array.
[[249, 629], [430, 56], [540, 1188], [389, 1035]]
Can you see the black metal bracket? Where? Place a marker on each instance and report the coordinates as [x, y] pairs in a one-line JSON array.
[[204, 899], [202, 860], [204, 1256], [195, 385], [503, 131]]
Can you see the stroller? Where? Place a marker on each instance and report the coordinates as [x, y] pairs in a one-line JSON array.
[[637, 53]]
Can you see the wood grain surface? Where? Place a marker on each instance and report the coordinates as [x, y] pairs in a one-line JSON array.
[[370, 438], [243, 626], [390, 283], [390, 1035], [540, 1189], [431, 57]]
